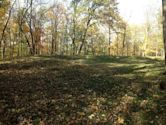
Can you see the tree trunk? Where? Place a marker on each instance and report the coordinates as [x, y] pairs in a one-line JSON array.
[[83, 40], [4, 50], [109, 40], [52, 45], [164, 25], [124, 40], [31, 29], [73, 46], [117, 47]]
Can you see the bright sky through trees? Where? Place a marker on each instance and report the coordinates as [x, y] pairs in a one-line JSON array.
[[134, 11]]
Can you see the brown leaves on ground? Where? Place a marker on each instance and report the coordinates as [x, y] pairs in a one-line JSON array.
[[56, 91]]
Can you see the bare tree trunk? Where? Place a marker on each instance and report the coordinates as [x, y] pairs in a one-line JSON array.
[[73, 46], [124, 39], [10, 45], [4, 49], [31, 29], [164, 25], [134, 49], [109, 40], [52, 45], [117, 45], [83, 40], [127, 49], [56, 40], [74, 38], [82, 43]]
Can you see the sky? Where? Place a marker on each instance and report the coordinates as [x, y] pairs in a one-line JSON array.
[[135, 11]]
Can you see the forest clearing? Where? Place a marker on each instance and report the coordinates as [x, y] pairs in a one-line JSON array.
[[82, 62], [82, 90]]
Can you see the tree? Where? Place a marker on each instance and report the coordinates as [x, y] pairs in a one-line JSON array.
[[75, 13], [4, 28], [109, 17], [92, 9]]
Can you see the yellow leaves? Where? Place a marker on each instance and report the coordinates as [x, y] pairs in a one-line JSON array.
[[81, 113], [2, 12], [4, 8], [93, 29], [38, 32], [50, 15], [25, 28], [120, 120], [14, 27], [49, 28]]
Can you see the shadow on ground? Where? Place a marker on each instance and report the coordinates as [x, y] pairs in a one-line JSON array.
[[82, 90]]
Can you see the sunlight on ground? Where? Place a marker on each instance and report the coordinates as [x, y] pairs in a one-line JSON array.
[[97, 90]]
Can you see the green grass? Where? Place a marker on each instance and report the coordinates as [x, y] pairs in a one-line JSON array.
[[82, 90]]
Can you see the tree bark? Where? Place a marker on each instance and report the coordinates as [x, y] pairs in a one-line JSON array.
[[124, 39], [109, 40], [31, 29], [164, 25]]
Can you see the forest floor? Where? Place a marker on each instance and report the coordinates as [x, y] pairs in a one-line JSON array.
[[85, 90]]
